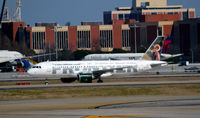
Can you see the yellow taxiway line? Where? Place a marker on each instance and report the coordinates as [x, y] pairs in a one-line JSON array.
[[112, 116]]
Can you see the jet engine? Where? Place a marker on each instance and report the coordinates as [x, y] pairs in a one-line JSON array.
[[82, 78], [68, 80], [85, 78]]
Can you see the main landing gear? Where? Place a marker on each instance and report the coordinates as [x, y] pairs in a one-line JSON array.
[[99, 80]]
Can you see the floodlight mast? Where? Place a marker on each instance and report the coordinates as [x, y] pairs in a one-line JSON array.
[[2, 10], [17, 15]]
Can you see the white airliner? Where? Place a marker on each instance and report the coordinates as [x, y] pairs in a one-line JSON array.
[[9, 59], [69, 71], [6, 55], [134, 56], [124, 56]]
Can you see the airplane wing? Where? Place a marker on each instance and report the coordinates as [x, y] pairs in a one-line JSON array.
[[177, 55], [40, 55], [158, 65], [100, 72]]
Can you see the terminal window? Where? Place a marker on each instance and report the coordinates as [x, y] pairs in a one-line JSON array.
[[121, 17], [83, 39], [38, 40], [125, 38], [106, 38], [127, 16], [62, 39], [144, 4]]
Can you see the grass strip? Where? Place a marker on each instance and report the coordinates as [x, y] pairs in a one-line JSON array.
[[52, 93]]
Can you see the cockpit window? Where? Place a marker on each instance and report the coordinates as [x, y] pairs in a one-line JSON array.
[[36, 67]]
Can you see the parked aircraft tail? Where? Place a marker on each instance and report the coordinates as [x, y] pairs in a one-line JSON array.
[[155, 49], [166, 45]]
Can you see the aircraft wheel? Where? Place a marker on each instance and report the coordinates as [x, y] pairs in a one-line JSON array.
[[99, 81]]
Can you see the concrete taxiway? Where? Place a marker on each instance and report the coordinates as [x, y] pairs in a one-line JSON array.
[[104, 107], [188, 107], [113, 84]]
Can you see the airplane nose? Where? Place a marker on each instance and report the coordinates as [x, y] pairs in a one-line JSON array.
[[30, 72]]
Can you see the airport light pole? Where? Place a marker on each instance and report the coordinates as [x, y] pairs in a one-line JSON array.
[[2, 10], [135, 30], [55, 30], [192, 55]]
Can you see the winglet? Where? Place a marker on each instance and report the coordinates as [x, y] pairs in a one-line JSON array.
[[154, 51]]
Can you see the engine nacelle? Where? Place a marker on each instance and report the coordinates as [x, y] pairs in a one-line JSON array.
[[82, 78], [85, 78], [68, 80]]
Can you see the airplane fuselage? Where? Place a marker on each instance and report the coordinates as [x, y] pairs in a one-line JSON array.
[[6, 55], [124, 56], [73, 68]]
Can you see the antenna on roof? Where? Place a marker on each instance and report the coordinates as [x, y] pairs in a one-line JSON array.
[[17, 15]]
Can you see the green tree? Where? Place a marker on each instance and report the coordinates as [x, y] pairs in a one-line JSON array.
[[66, 55], [142, 49], [80, 54], [117, 50]]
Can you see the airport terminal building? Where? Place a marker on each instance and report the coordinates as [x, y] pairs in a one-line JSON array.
[[145, 20]]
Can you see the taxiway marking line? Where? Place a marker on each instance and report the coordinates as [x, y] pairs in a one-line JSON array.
[[112, 116]]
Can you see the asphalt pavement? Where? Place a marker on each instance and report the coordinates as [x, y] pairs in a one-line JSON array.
[[185, 107], [105, 107]]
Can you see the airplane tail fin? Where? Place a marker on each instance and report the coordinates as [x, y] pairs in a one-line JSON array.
[[167, 43], [27, 63], [154, 51], [30, 60]]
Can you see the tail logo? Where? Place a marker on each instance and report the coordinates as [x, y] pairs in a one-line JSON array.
[[155, 51], [156, 47], [167, 44]]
